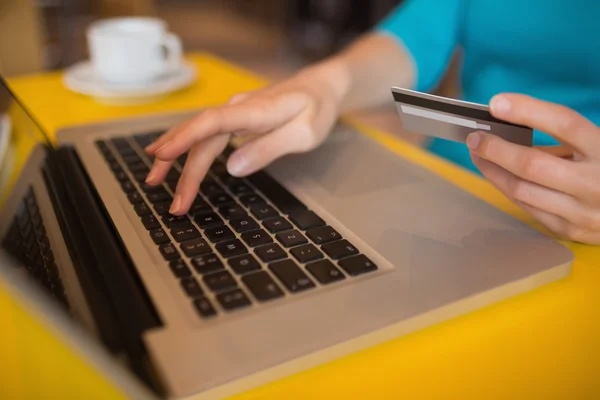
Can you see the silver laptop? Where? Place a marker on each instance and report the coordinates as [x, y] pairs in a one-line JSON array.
[[318, 256]]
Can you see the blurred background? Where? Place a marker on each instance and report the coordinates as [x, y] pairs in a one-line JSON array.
[[270, 37]]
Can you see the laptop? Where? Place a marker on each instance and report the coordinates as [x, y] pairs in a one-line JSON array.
[[318, 256]]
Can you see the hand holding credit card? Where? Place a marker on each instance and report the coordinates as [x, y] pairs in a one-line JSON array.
[[452, 119]]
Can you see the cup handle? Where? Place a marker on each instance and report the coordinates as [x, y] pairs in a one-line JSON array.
[[174, 52]]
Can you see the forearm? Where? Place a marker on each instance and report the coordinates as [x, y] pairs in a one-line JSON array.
[[362, 74]]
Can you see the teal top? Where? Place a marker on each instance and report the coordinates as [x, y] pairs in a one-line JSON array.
[[549, 49]]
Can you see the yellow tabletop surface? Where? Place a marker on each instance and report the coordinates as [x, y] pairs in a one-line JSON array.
[[542, 344]]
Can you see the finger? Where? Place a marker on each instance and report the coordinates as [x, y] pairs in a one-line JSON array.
[[238, 98], [552, 222], [527, 163], [258, 153], [198, 162], [158, 172], [562, 227], [537, 196], [255, 116], [561, 122], [166, 137], [560, 151]]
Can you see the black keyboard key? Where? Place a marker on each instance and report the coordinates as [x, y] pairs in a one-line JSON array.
[[239, 188], [162, 208], [211, 188], [257, 238], [195, 247], [220, 281], [140, 177], [277, 194], [229, 149], [233, 299], [232, 211], [199, 206], [145, 140], [159, 236], [150, 222], [277, 224], [182, 159], [219, 200], [159, 196], [293, 278], [151, 189], [191, 287], [126, 151], [135, 197], [115, 166], [207, 263], [291, 238], [325, 272], [220, 170], [263, 211], [179, 269], [219, 234], [244, 224], [120, 143], [250, 199], [121, 176], [139, 167], [270, 252], [231, 181], [208, 220], [323, 234], [306, 253], [132, 159], [357, 265], [127, 186], [142, 209], [173, 221], [185, 232], [231, 248], [204, 307], [262, 286], [102, 147], [244, 264], [169, 251], [306, 219], [173, 175], [172, 185], [339, 249]]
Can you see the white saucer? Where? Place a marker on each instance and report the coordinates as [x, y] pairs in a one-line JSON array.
[[81, 78]]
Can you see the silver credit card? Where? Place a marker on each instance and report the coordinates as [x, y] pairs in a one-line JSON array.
[[452, 119]]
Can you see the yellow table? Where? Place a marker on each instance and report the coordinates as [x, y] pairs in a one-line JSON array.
[[543, 344]]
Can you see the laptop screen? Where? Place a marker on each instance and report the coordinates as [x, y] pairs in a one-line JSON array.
[[19, 133]]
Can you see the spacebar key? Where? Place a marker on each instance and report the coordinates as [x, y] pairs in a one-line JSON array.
[[277, 194]]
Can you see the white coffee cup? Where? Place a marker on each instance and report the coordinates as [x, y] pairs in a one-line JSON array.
[[132, 49]]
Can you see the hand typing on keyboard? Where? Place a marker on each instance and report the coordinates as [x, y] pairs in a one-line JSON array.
[[293, 116]]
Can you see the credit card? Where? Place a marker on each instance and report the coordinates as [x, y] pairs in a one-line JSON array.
[[452, 119]]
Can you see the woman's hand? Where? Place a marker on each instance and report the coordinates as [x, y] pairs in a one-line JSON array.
[[559, 186], [291, 117]]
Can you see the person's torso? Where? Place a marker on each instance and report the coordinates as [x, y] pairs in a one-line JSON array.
[[548, 49]]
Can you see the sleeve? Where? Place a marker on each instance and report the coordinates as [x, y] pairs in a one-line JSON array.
[[430, 31]]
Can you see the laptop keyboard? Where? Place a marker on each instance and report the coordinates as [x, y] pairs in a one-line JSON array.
[[27, 241], [244, 241]]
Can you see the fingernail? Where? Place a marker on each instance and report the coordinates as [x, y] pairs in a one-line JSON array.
[[150, 177], [237, 165], [473, 140], [176, 204], [500, 104]]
